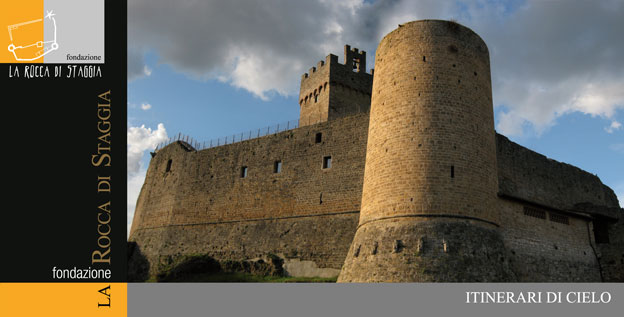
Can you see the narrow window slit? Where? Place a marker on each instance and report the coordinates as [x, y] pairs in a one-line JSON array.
[[277, 167], [327, 162]]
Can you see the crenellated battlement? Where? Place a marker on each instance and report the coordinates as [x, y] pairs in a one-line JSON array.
[[329, 60], [354, 59], [347, 87]]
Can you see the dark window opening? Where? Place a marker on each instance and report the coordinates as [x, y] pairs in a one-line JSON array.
[[168, 166], [452, 171], [601, 231], [356, 64], [319, 137], [533, 212], [277, 167], [315, 98], [559, 218], [243, 173], [357, 251], [327, 162], [424, 59]]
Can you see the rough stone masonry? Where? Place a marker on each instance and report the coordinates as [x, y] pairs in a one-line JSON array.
[[396, 175]]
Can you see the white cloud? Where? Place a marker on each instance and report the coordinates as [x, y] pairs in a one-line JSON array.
[[146, 106], [147, 71], [600, 98], [141, 139], [540, 104], [249, 73], [510, 123], [549, 58], [613, 127], [553, 58], [263, 46]]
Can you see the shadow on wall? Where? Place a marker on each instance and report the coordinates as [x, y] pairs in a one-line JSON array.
[[138, 266], [204, 268], [188, 267]]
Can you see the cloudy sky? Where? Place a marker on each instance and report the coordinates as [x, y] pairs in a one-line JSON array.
[[214, 68]]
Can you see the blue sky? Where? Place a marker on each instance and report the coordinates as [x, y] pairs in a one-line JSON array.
[[216, 68]]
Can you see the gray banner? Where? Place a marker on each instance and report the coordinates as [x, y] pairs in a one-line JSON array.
[[240, 300]]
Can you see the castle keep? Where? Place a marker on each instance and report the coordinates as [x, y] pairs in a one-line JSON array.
[[391, 176]]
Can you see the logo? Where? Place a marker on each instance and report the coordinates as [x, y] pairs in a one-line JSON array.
[[37, 49], [52, 31]]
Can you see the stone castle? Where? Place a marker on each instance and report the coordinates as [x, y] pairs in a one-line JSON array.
[[396, 175]]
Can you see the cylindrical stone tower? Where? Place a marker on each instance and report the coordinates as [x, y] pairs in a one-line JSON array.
[[430, 181]]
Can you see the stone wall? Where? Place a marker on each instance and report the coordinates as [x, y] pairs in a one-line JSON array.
[[531, 176], [200, 202], [319, 241], [427, 249], [542, 250], [611, 254], [316, 242]]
